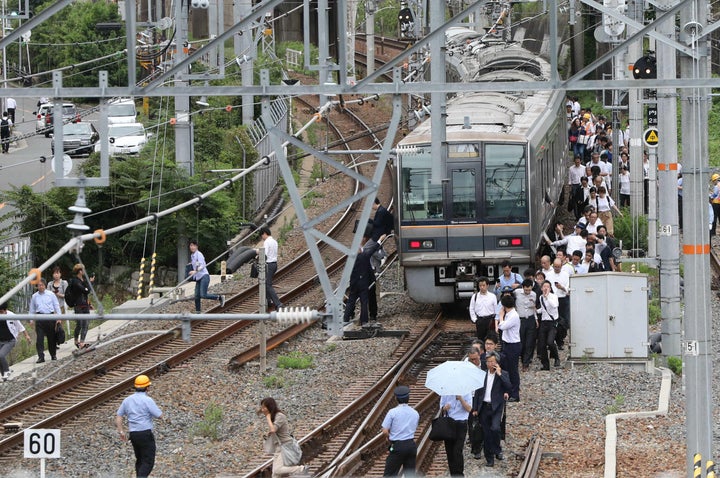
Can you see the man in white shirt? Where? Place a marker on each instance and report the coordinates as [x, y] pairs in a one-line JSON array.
[[271, 257], [11, 105], [575, 173], [560, 281], [482, 309]]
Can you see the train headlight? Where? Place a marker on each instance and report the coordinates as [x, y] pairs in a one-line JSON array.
[[510, 242], [424, 244]]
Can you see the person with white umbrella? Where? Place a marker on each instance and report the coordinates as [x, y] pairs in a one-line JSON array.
[[457, 407]]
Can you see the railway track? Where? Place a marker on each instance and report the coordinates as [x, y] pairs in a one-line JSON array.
[[63, 402]]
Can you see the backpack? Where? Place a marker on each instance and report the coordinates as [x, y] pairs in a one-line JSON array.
[[5, 127], [71, 294]]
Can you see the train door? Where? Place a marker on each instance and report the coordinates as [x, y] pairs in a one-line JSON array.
[[463, 233]]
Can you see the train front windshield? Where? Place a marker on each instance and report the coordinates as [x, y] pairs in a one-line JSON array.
[[481, 183]]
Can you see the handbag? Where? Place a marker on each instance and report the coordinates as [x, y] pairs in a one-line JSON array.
[[290, 451], [254, 271], [443, 428], [59, 334]]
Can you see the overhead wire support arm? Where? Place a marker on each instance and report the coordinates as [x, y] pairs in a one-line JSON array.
[[415, 48], [219, 41], [77, 242]]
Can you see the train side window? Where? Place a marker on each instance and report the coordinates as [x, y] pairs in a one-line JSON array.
[[505, 182], [420, 200]]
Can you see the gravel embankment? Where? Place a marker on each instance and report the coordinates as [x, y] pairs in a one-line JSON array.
[[565, 406]]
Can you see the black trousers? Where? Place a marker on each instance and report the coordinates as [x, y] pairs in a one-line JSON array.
[[491, 428], [372, 301], [482, 325], [564, 323], [546, 340], [45, 328], [271, 295], [357, 293], [716, 218], [528, 339], [402, 455], [454, 449], [512, 359], [143, 443]]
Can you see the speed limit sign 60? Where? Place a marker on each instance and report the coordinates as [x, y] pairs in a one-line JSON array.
[[42, 443]]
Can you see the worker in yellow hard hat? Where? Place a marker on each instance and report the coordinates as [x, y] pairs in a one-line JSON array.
[[715, 200], [140, 411]]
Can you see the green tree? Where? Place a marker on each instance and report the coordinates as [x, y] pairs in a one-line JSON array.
[[71, 38]]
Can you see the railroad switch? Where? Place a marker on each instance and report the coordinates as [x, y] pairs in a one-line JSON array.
[[372, 332]]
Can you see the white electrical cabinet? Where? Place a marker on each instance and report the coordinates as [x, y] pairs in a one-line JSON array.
[[609, 317]]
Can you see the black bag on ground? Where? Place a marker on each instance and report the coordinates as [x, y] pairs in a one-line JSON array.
[[59, 334], [443, 428]]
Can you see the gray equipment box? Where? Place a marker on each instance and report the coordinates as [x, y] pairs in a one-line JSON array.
[[609, 317]]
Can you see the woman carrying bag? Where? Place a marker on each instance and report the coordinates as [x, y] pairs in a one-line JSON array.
[[278, 438]]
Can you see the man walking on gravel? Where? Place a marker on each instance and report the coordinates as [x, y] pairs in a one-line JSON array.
[[399, 428], [140, 411]]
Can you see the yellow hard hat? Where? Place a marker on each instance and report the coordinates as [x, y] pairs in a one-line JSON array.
[[142, 381], [715, 177]]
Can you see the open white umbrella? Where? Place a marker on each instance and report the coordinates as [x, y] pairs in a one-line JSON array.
[[455, 378]]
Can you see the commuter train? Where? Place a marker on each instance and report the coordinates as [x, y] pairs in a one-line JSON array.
[[504, 162]]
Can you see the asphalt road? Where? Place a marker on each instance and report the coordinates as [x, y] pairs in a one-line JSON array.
[[22, 165]]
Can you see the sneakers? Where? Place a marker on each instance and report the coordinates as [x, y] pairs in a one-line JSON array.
[[53, 357], [222, 301], [6, 375], [557, 362]]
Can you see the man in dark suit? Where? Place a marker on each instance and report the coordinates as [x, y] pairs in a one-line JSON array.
[[489, 403], [360, 278]]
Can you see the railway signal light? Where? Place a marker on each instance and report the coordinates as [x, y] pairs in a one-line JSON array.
[[645, 68], [406, 22]]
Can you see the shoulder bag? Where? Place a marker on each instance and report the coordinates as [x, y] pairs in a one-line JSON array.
[[443, 428], [59, 334], [290, 451]]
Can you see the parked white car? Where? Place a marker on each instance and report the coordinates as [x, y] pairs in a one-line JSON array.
[[122, 111], [126, 138]]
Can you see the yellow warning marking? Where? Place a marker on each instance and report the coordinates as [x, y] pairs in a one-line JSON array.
[[652, 137]]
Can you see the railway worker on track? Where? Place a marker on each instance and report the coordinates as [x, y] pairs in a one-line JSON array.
[[399, 428], [140, 411], [490, 405], [715, 198], [482, 309], [44, 302], [360, 277], [457, 407]]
